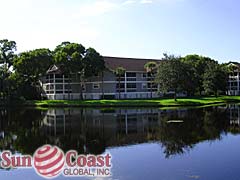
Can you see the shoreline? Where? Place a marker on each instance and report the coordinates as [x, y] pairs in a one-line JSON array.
[[163, 102]]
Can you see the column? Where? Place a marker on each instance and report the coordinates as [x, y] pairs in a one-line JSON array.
[[237, 83], [125, 83], [230, 84], [54, 86], [63, 86]]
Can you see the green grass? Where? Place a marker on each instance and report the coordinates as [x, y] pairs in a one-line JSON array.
[[195, 101]]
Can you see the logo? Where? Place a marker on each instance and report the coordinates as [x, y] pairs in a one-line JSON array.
[[50, 161]]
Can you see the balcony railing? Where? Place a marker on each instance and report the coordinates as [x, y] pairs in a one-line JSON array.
[[131, 89], [131, 78]]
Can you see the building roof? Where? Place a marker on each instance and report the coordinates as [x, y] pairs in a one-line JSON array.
[[237, 64], [54, 69], [130, 64]]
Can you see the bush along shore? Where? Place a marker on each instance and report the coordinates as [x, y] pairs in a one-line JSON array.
[[164, 102]]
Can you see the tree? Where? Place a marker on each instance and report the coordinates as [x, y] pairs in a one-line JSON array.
[[215, 79], [29, 67], [189, 79], [170, 74], [151, 69], [1, 80], [119, 71], [77, 60], [7, 52], [33, 63], [198, 65], [3, 84]]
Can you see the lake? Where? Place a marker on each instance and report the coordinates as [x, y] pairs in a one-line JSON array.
[[145, 143]]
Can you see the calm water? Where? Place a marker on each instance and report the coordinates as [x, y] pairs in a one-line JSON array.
[[145, 144]]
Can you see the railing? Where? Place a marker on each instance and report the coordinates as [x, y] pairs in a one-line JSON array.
[[131, 78], [233, 88], [121, 90], [131, 89]]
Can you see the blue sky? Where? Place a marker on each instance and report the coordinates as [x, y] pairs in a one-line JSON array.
[[127, 28]]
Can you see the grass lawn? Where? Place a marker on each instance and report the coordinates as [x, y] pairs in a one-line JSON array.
[[194, 101]]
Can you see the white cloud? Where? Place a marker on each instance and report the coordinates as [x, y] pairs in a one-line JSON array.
[[34, 24], [129, 2], [97, 8], [167, 1], [146, 1]]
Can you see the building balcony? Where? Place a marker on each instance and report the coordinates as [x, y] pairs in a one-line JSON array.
[[233, 88], [131, 78], [131, 89]]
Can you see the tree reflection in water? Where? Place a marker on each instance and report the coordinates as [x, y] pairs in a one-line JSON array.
[[94, 130]]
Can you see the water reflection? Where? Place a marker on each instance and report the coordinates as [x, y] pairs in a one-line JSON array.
[[95, 130]]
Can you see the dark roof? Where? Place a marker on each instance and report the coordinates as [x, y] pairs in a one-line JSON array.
[[234, 63], [130, 64]]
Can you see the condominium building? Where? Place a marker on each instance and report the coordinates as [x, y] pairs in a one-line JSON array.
[[134, 83], [234, 79]]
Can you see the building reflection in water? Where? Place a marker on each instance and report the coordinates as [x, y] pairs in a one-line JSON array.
[[95, 130], [105, 122], [111, 126], [234, 114]]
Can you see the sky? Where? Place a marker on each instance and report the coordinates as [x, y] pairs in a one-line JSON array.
[[126, 28]]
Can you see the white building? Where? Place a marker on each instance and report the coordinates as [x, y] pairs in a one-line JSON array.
[[135, 83], [234, 79]]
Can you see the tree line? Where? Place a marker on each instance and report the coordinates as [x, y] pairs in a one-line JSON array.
[[193, 74], [20, 72]]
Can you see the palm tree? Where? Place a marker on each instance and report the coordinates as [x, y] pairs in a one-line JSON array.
[[150, 68], [119, 71]]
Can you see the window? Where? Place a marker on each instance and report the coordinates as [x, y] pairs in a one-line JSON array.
[[49, 78], [131, 74], [50, 92], [122, 85], [67, 86], [144, 86], [154, 86], [49, 87], [131, 85], [144, 75], [59, 86], [83, 87], [58, 80], [60, 76], [59, 92], [150, 76], [96, 86], [68, 91]]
